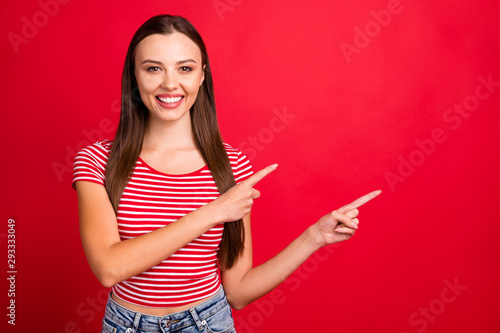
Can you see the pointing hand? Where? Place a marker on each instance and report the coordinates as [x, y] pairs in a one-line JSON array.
[[341, 224]]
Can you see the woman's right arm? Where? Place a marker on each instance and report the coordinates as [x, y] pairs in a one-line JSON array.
[[113, 260]]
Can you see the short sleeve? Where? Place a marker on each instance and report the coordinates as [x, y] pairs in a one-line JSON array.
[[242, 168], [90, 164]]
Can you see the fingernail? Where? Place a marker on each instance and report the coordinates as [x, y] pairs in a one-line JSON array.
[[338, 229], [274, 166], [354, 225]]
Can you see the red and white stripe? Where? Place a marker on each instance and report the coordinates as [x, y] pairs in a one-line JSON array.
[[151, 200]]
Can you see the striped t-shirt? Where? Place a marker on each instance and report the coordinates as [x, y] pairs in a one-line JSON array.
[[151, 200]]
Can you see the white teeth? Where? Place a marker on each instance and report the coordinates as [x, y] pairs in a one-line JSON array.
[[170, 100]]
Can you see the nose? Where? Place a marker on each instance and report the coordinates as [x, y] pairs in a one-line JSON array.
[[170, 81]]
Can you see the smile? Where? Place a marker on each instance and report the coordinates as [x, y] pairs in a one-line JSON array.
[[169, 100]]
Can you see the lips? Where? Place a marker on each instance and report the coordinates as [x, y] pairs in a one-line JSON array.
[[170, 101]]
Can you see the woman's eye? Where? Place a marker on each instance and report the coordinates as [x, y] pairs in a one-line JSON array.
[[153, 69], [186, 69]]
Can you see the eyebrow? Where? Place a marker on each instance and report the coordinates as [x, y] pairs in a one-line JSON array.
[[160, 63]]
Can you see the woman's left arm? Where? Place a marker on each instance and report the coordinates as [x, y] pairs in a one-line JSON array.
[[244, 284]]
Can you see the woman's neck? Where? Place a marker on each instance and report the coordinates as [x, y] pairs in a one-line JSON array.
[[167, 136]]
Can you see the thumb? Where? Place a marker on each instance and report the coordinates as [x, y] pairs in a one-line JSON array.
[[255, 193]]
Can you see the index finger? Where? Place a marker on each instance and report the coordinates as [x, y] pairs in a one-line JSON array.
[[360, 201], [257, 177]]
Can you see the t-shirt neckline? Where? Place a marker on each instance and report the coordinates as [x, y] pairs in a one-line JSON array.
[[172, 174]]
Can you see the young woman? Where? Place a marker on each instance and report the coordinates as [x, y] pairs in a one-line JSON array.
[[165, 207]]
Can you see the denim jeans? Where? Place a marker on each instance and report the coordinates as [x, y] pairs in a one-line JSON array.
[[211, 316]]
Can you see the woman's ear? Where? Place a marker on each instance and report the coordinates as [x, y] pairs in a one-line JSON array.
[[203, 74]]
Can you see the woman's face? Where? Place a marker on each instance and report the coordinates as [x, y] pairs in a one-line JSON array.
[[169, 73]]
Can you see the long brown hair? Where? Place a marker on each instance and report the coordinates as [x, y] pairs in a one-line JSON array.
[[129, 136]]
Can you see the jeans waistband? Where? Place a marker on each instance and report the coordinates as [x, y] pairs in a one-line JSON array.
[[195, 315]]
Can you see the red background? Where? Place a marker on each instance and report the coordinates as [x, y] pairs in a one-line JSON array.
[[356, 122]]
